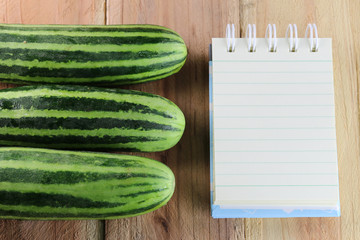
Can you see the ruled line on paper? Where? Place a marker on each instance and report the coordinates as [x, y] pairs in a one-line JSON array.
[[274, 139], [278, 105], [274, 116], [277, 83], [274, 128], [276, 151], [294, 185], [274, 94], [255, 162], [305, 72], [260, 60], [274, 174]]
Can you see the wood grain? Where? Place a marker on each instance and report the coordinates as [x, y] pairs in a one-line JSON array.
[[187, 215]]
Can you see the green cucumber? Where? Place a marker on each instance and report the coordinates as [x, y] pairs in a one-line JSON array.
[[75, 54], [90, 118], [54, 184]]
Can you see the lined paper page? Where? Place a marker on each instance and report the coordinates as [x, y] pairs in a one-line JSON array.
[[274, 126]]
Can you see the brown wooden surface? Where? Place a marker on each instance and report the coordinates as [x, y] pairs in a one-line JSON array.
[[187, 215]]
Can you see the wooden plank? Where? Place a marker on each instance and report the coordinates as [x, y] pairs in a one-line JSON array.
[[346, 39], [51, 12], [15, 229]]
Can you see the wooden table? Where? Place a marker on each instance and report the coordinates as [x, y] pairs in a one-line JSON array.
[[187, 215]]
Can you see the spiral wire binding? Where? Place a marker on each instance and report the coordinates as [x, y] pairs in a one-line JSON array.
[[251, 37], [314, 44], [293, 38], [270, 36], [230, 38]]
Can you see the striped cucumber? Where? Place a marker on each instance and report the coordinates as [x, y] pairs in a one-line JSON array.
[[54, 184], [81, 117], [74, 54]]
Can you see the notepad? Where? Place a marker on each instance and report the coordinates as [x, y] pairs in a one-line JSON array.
[[272, 130]]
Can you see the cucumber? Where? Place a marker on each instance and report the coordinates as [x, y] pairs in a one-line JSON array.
[[55, 184], [101, 55], [90, 118]]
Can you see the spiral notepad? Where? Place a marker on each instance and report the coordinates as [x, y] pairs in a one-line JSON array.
[[272, 126]]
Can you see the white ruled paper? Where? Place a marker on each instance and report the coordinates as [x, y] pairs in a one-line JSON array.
[[274, 138]]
